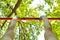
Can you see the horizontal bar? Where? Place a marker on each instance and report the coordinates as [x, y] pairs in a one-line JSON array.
[[29, 18]]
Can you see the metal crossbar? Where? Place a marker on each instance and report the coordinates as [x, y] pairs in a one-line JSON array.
[[29, 18]]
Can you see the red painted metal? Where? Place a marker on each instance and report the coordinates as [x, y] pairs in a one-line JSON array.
[[29, 18]]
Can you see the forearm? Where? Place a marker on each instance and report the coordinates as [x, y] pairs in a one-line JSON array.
[[9, 35], [12, 25], [47, 25]]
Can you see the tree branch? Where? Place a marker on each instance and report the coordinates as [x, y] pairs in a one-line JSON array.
[[13, 11]]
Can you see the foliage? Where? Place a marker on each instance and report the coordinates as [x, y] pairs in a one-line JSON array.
[[29, 29]]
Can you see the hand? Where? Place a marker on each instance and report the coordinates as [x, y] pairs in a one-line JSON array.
[[16, 18]]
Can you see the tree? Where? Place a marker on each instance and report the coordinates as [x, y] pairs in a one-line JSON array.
[[29, 29]]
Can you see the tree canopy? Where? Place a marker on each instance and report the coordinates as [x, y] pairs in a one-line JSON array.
[[29, 29]]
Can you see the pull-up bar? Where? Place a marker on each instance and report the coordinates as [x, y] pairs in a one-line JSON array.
[[29, 18]]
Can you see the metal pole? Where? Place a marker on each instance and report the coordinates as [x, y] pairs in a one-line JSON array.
[[29, 18]]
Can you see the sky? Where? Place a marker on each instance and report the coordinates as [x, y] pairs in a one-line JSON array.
[[41, 35], [35, 4]]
